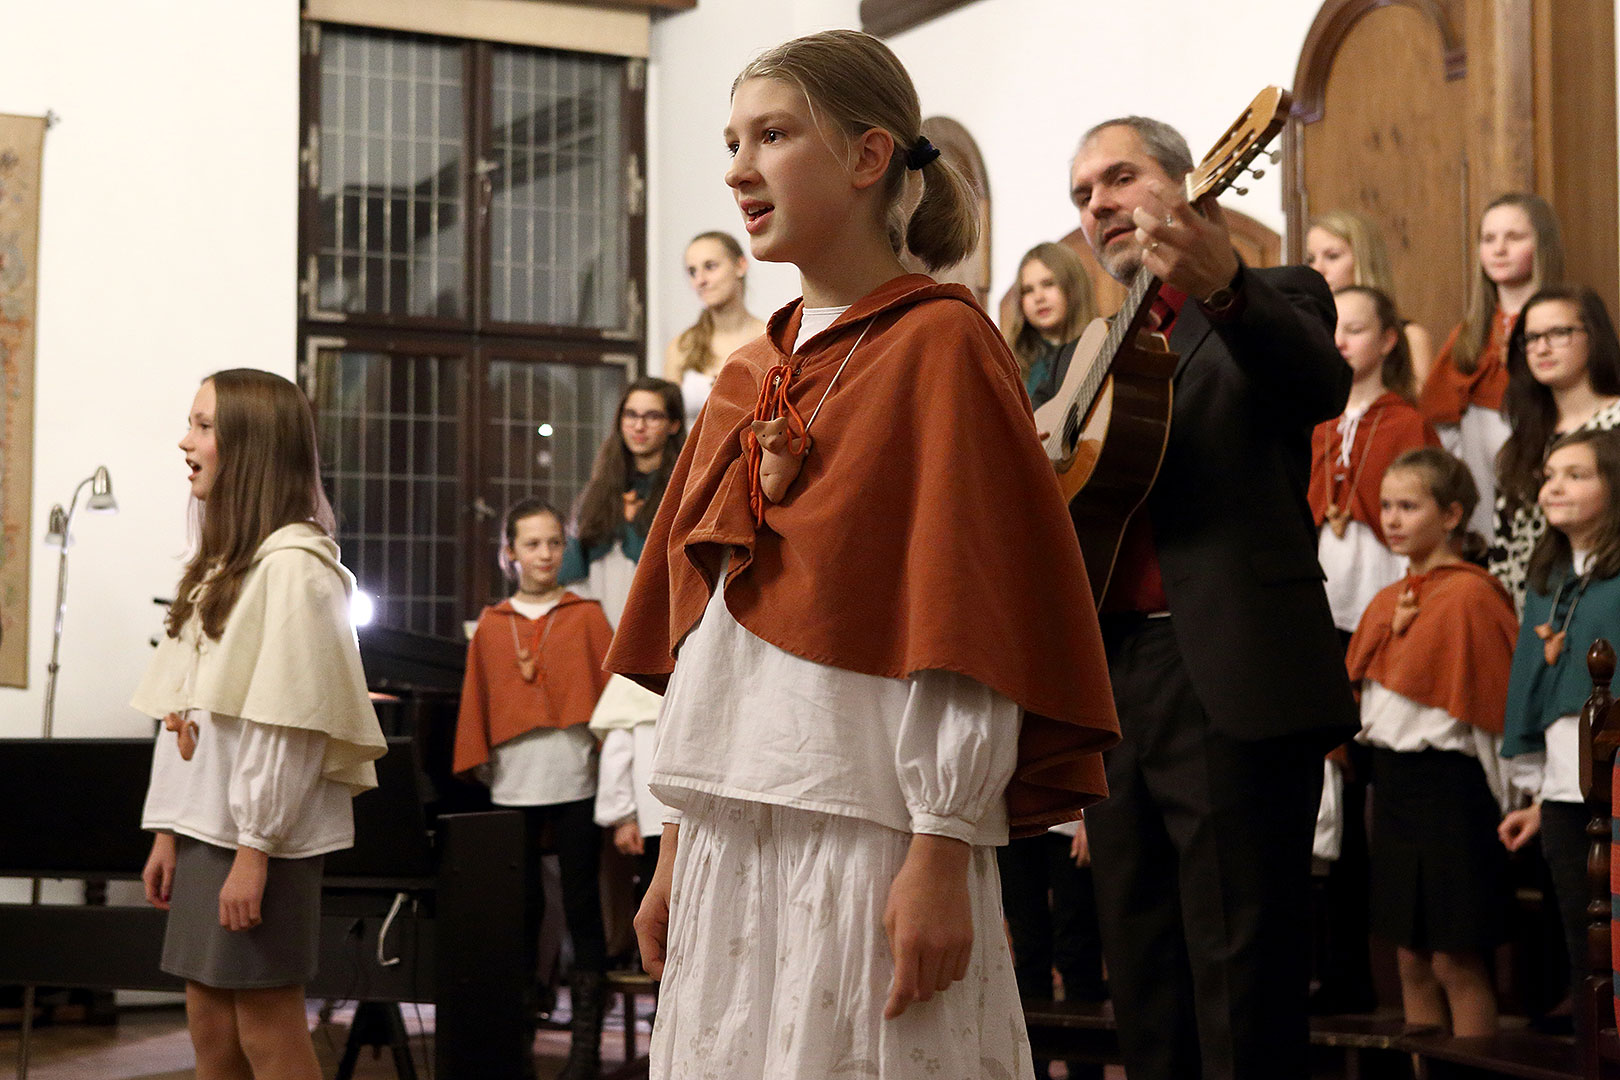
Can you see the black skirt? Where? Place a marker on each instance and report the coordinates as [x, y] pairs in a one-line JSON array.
[[1439, 873]]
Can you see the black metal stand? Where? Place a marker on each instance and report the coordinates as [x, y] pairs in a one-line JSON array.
[[379, 1025]]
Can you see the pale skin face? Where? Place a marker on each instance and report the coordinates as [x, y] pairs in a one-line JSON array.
[[1330, 256], [1414, 524], [1041, 297], [1134, 216], [1557, 365], [1361, 341], [202, 454], [646, 427], [536, 550], [1574, 496], [1507, 246], [715, 275], [811, 197]]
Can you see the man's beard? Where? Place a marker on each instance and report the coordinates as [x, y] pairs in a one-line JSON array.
[[1123, 258]]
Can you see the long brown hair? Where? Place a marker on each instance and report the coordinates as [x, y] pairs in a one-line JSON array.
[[600, 510], [1552, 551], [1080, 305], [860, 84], [1548, 269], [267, 476], [1449, 482], [1396, 371], [1528, 405], [697, 340]]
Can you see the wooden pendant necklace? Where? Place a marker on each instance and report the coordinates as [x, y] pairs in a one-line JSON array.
[[1552, 641], [528, 660], [1337, 515]]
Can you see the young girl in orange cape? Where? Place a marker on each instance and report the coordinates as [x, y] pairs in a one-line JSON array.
[[534, 673], [1572, 600], [1348, 458], [878, 651], [268, 731], [1520, 251], [1432, 655]]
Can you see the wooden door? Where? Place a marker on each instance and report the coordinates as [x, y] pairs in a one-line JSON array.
[[1417, 113], [1380, 127]]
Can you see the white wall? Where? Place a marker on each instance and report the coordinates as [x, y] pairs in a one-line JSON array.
[[1026, 77], [168, 244]]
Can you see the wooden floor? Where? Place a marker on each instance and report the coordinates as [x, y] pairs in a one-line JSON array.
[[152, 1044]]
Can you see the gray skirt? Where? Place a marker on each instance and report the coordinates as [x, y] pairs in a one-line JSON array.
[[281, 951]]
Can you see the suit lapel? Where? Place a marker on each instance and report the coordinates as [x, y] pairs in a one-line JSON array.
[[1192, 327]]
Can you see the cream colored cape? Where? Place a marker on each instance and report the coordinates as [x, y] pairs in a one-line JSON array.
[[287, 656], [624, 704]]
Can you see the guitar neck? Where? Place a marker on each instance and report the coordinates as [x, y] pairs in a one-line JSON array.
[[1132, 317]]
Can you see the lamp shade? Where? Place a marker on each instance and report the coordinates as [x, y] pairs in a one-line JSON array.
[[56, 527], [101, 493]]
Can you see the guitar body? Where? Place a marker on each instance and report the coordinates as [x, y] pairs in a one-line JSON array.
[[1107, 461], [1106, 428]]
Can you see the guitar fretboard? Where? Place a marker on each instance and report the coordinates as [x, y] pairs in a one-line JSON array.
[[1133, 313]]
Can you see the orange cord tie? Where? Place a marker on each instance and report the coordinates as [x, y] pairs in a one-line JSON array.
[[792, 436]]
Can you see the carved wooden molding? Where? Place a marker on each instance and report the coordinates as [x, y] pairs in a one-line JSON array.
[[885, 18], [1328, 32]]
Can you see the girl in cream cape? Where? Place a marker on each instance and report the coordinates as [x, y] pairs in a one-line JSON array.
[[267, 731]]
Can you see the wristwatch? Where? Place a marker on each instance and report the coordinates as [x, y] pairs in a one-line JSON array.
[[1224, 298]]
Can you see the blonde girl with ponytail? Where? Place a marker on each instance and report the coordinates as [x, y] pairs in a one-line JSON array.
[[717, 270], [865, 688]]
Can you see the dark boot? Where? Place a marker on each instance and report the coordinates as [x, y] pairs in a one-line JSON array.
[[588, 994]]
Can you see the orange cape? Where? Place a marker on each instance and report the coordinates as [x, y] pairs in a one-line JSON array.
[[1456, 654], [926, 531], [497, 705], [1448, 392], [1390, 428]]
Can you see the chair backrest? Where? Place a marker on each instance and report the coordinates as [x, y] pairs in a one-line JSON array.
[[1600, 735]]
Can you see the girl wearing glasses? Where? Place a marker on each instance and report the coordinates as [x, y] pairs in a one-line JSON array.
[[1563, 367], [1520, 252], [611, 520], [616, 508]]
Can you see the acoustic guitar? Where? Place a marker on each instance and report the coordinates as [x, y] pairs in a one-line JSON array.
[[1109, 422]]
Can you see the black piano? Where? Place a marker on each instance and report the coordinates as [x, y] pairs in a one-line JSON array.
[[426, 907]]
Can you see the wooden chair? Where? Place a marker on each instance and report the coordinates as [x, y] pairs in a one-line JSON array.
[[1600, 737]]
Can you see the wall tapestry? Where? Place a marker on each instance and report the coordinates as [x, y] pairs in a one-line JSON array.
[[22, 139]]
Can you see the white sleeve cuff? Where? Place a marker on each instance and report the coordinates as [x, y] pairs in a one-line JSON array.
[[935, 825]]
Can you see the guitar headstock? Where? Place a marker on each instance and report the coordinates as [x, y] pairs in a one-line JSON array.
[[1256, 126]]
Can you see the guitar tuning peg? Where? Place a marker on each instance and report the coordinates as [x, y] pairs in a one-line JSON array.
[[1241, 190], [1275, 156], [1257, 173]]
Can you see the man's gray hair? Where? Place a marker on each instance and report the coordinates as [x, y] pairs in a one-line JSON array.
[[1163, 143]]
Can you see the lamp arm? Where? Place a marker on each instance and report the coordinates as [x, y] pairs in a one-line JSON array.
[[61, 611]]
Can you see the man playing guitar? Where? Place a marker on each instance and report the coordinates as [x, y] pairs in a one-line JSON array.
[[1227, 671]]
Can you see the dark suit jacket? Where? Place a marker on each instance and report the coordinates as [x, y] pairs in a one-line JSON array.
[[1234, 534]]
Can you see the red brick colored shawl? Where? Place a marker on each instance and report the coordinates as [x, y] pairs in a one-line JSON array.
[[925, 531]]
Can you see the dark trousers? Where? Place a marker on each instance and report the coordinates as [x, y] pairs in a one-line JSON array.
[[1563, 845], [578, 844], [1052, 913], [1202, 853]]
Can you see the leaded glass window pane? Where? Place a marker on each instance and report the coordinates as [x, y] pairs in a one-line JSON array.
[[558, 244], [390, 436], [543, 424], [390, 230]]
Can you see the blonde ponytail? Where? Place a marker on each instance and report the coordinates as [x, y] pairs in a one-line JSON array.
[[944, 227]]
